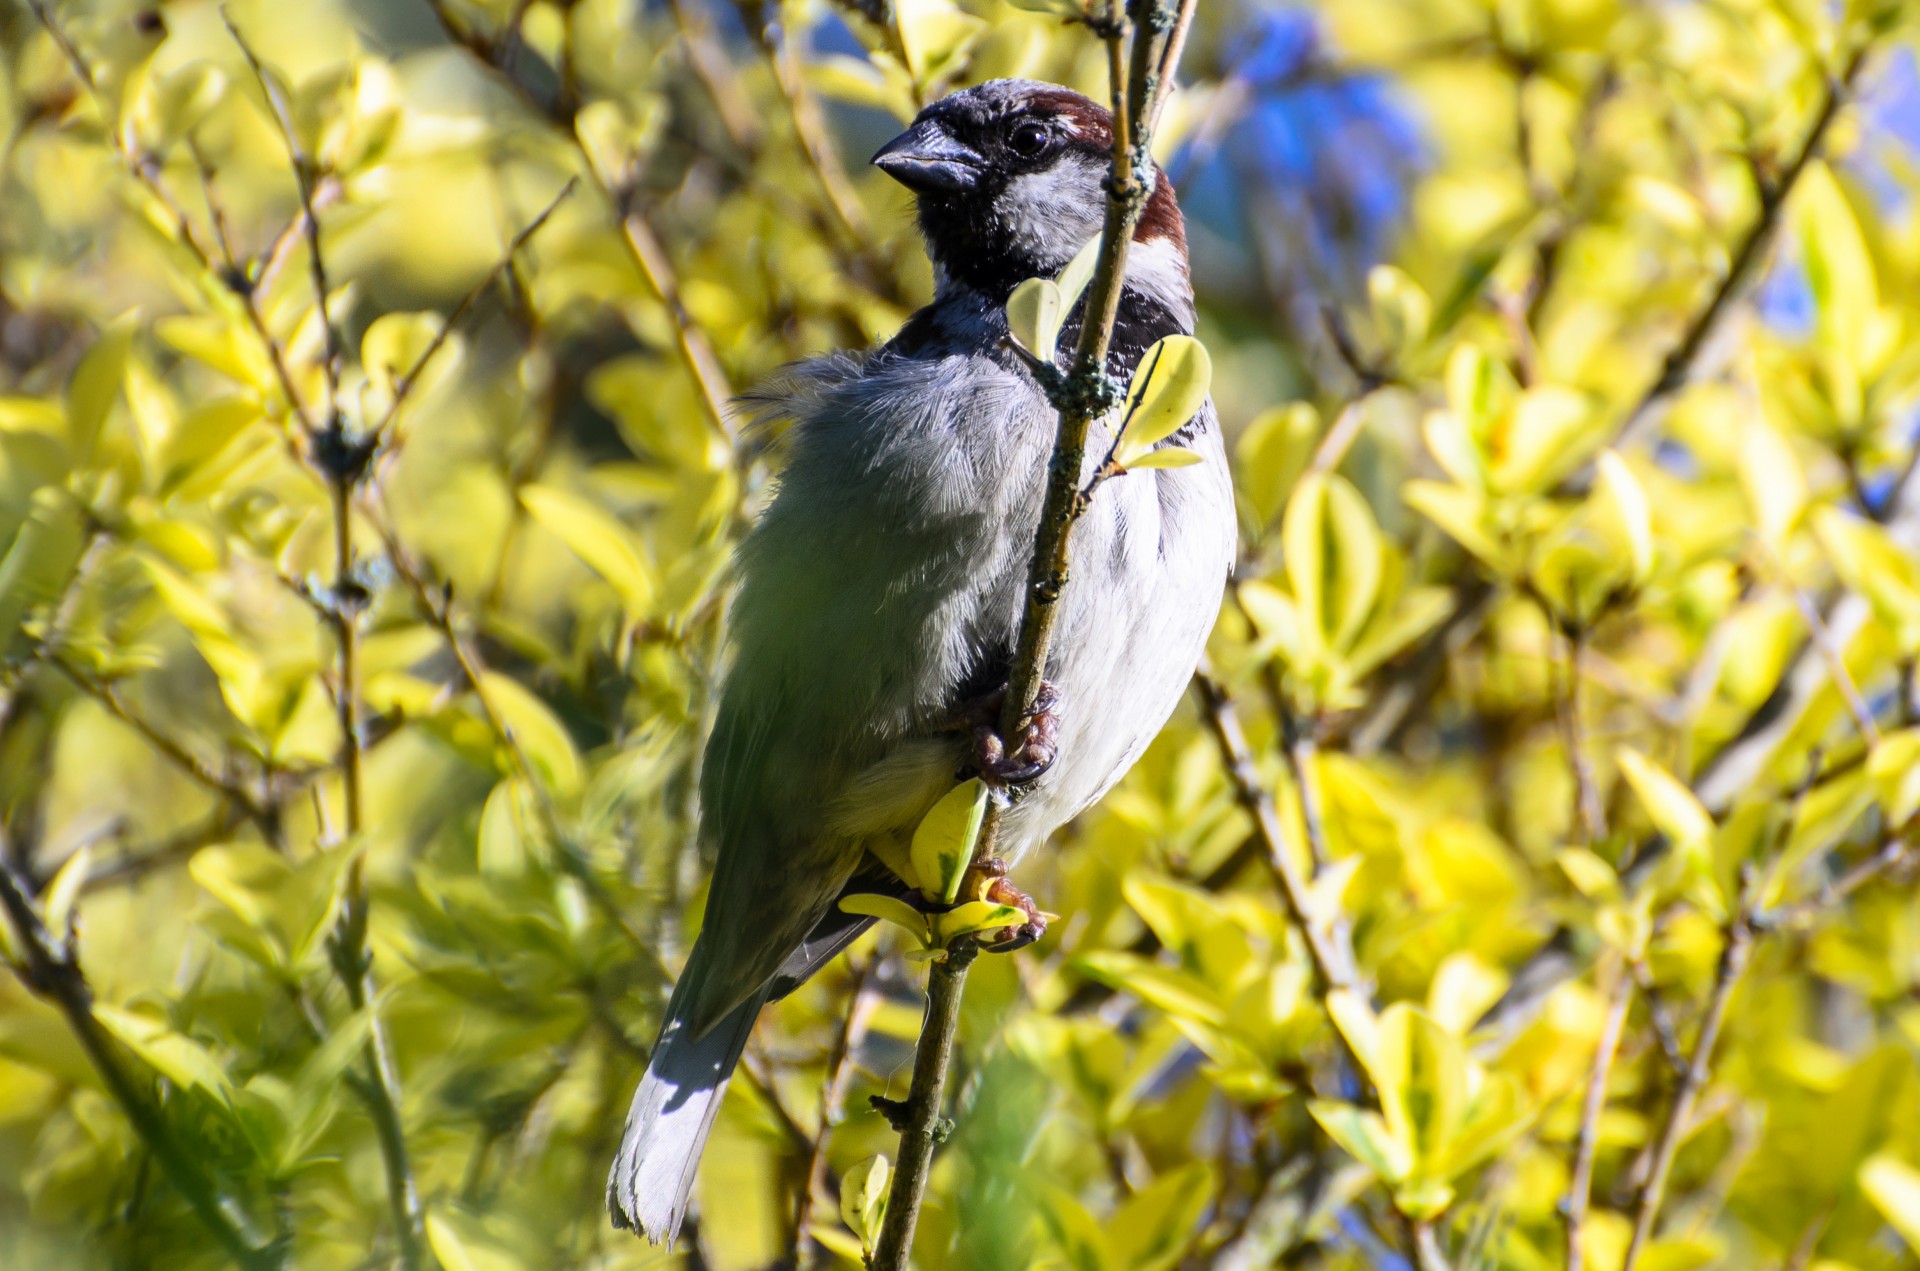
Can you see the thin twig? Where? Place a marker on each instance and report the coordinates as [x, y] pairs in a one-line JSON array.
[[1734, 956], [861, 1006], [174, 752], [1327, 952], [1331, 967], [51, 970], [1587, 1141]]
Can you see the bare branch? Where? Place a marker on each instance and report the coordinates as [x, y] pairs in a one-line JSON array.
[[1587, 1141]]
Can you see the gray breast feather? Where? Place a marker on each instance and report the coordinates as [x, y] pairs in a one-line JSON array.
[[891, 565]]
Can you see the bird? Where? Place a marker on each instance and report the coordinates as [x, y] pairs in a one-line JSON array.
[[879, 595]]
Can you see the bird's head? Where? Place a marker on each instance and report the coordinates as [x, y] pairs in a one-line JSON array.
[[1009, 178]]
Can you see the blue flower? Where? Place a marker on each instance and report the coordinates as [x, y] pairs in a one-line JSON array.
[[1320, 156]]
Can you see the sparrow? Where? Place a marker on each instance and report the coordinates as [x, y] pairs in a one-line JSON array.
[[880, 595]]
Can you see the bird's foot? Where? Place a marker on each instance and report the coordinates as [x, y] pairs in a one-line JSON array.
[[998, 889], [1032, 753]]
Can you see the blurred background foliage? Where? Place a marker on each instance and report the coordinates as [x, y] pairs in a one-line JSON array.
[[1567, 688]]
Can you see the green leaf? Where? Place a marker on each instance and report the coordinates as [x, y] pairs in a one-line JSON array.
[[96, 382], [1172, 383], [1365, 1137], [596, 538], [394, 343], [42, 557], [174, 1056], [863, 1199], [1894, 1188]]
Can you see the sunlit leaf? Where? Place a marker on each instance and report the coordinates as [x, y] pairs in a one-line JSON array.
[[1171, 385], [944, 840]]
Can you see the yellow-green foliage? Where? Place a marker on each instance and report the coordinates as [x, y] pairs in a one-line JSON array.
[[1574, 641]]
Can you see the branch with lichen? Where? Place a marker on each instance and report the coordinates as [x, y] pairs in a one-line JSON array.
[[1140, 77]]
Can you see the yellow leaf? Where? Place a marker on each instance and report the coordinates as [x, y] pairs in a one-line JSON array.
[[973, 917], [1894, 768], [1034, 313], [1355, 565], [1773, 480], [1624, 515], [1670, 804], [1271, 454], [863, 1198], [943, 842], [1401, 309], [1171, 385], [887, 909], [1894, 1188], [1839, 267], [596, 538], [449, 1250], [64, 890], [1365, 1137], [1165, 457], [535, 731]]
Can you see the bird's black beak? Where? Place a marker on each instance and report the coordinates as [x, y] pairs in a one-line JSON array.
[[925, 157]]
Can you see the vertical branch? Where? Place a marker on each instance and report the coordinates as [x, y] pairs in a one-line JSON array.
[[1580, 1188], [342, 462], [1138, 89], [922, 1126]]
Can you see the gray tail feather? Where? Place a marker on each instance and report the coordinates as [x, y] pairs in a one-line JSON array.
[[671, 1116]]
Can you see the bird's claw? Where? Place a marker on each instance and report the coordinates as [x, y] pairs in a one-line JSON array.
[[1002, 892], [1033, 754]]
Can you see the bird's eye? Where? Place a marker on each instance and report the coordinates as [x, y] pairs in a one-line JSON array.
[[1029, 139]]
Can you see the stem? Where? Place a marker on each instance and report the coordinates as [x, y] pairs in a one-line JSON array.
[[920, 1130], [861, 1006], [1733, 964], [51, 971], [1580, 1189], [1331, 967]]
